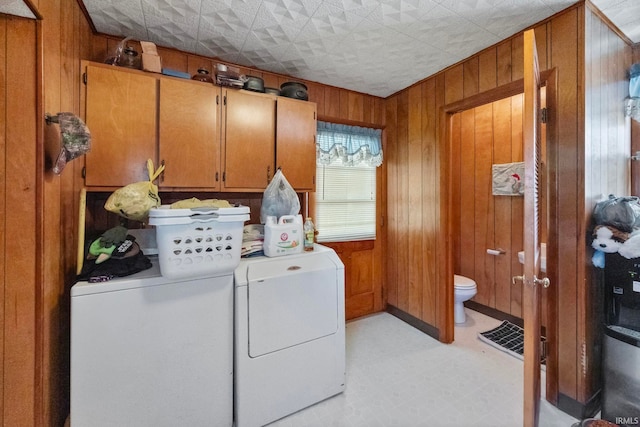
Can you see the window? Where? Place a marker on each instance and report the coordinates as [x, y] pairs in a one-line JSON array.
[[347, 157]]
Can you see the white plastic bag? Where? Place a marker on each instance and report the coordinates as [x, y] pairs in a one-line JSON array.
[[279, 199]]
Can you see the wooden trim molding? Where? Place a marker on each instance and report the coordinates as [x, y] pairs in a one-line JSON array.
[[33, 9], [85, 13], [421, 325]]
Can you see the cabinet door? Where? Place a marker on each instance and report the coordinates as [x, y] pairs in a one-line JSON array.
[[121, 115], [189, 134], [296, 142], [249, 145]]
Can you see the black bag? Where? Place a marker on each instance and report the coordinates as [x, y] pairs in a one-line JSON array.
[[622, 213]]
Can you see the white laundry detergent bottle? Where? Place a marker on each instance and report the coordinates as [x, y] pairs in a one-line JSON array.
[[283, 236]]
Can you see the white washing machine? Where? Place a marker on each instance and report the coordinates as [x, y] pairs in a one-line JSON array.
[[152, 351], [289, 334]]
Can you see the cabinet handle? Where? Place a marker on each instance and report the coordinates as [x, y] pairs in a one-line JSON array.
[[217, 176], [162, 173], [268, 174]]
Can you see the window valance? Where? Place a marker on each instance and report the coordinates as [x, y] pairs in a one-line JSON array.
[[348, 145]]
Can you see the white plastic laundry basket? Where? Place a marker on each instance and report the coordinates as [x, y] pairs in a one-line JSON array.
[[198, 242]]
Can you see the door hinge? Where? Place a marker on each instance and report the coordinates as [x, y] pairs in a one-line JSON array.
[[84, 78], [544, 115]]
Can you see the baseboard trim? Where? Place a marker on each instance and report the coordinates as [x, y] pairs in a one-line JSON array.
[[492, 312], [580, 410], [423, 326]]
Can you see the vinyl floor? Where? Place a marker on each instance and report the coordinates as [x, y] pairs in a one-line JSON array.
[[397, 376]]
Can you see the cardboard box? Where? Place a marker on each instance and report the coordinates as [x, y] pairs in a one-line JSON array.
[[151, 63], [150, 58]]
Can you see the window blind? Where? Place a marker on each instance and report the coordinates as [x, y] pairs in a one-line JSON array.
[[345, 203]]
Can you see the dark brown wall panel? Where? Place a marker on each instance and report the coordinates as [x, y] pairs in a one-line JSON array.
[[4, 24], [430, 228], [561, 45], [564, 56], [393, 223], [19, 211]]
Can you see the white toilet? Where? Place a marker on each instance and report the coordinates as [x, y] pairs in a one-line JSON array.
[[464, 289]]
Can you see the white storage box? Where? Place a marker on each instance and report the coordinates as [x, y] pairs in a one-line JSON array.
[[200, 241]]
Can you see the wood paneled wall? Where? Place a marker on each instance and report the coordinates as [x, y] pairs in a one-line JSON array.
[[607, 169], [481, 137], [18, 238], [418, 261], [40, 72]]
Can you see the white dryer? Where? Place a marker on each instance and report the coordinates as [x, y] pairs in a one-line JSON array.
[[289, 334]]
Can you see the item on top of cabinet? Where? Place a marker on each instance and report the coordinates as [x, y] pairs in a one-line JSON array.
[[118, 53], [272, 91], [224, 70], [294, 90], [150, 58], [255, 84], [175, 73], [130, 58], [202, 75], [229, 76], [134, 201], [279, 198]]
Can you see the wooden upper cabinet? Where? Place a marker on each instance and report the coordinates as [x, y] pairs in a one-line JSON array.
[[121, 115], [249, 140], [189, 134], [208, 138], [296, 142]]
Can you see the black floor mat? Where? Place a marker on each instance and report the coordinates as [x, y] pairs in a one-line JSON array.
[[508, 338]]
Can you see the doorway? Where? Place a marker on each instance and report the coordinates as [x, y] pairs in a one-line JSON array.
[[502, 96]]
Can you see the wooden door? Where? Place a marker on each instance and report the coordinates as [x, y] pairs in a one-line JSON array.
[[296, 142], [189, 134], [121, 115], [531, 292], [249, 144]]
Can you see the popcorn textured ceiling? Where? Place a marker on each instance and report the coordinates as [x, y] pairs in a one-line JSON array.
[[370, 46]]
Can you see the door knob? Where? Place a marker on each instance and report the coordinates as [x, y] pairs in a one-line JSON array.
[[544, 282], [515, 279]]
